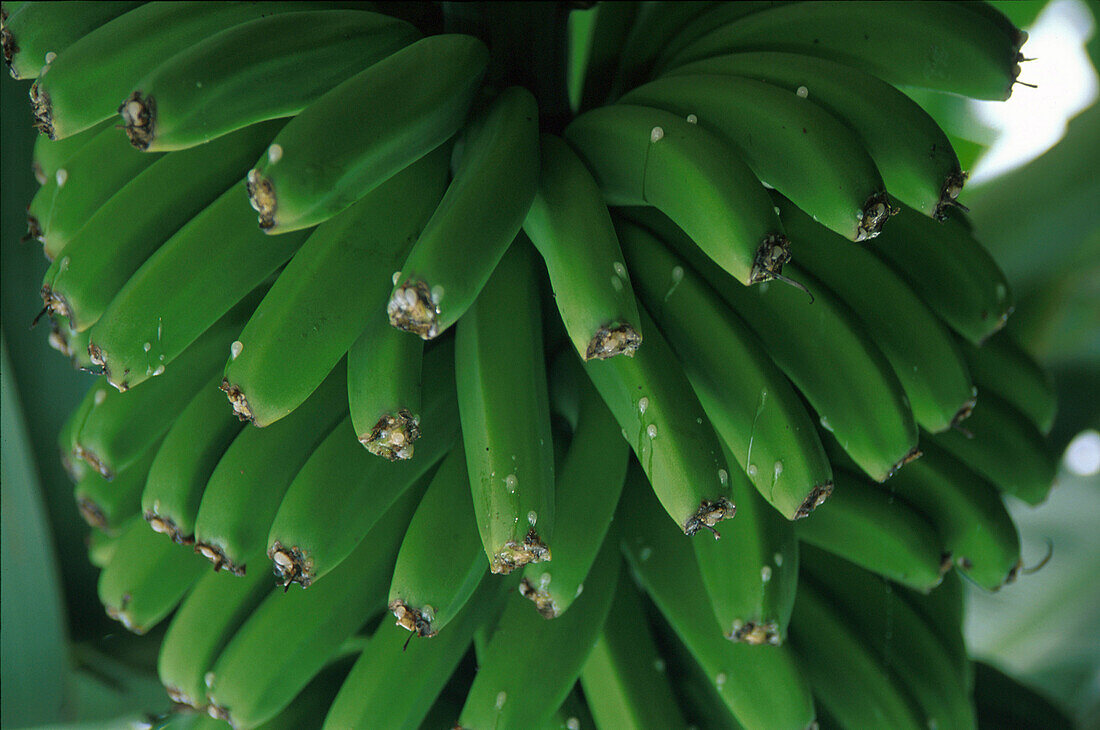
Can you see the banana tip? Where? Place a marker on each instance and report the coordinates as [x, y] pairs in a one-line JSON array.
[[544, 603], [414, 307], [414, 619], [876, 211], [217, 556], [914, 454], [95, 462], [814, 499], [92, 513], [237, 399], [755, 633], [290, 565], [261, 193], [41, 107], [709, 514], [34, 228], [167, 526], [139, 116], [393, 435], [515, 555], [611, 340], [771, 255], [949, 195]]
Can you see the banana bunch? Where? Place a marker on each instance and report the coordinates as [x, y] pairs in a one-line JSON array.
[[358, 228]]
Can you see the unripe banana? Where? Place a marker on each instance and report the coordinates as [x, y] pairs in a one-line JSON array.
[[105, 504], [1002, 367], [495, 180], [343, 484], [503, 401], [297, 335], [184, 462], [49, 155], [645, 156], [655, 27], [327, 158], [824, 167], [572, 229], [39, 31], [762, 686], [209, 89], [751, 403]]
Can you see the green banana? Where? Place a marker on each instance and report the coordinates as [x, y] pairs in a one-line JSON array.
[[122, 234], [968, 513], [1002, 367], [326, 159], [289, 637], [950, 271], [720, 15], [644, 156], [101, 546], [246, 487], [900, 638], [654, 28], [824, 167], [827, 355], [158, 313], [753, 407], [39, 31], [343, 484], [495, 180], [911, 152], [146, 578], [505, 412], [352, 254], [106, 505], [384, 371], [121, 426], [572, 230], [918, 346], [71, 452], [1001, 444], [761, 686], [943, 610], [208, 89], [610, 28], [84, 85], [866, 525], [932, 45], [191, 449], [586, 491], [50, 155], [381, 691], [751, 574], [623, 678], [80, 187], [529, 666], [71, 344], [440, 563], [206, 620], [849, 681]]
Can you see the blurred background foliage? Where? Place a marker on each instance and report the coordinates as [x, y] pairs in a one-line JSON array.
[[64, 661]]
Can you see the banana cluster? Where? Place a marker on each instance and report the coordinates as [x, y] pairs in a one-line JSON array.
[[767, 292]]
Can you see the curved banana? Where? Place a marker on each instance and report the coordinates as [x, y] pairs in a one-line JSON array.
[[504, 405], [864, 524], [146, 578], [763, 687], [206, 620], [39, 31], [209, 89], [49, 155], [1002, 367], [656, 24], [919, 347], [645, 156], [440, 562], [342, 483], [828, 356], [943, 609], [84, 85], [327, 158], [191, 449], [572, 230], [720, 15], [753, 407], [932, 45], [107, 505], [968, 513], [496, 176], [911, 152], [348, 260], [243, 494], [823, 167]]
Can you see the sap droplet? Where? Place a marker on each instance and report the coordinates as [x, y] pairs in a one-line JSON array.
[[765, 573], [677, 274], [274, 153], [158, 371], [62, 176], [802, 92], [692, 119], [147, 346], [1001, 291], [573, 724], [723, 477], [580, 590], [777, 469], [437, 294], [778, 559], [100, 396], [544, 581], [699, 421], [656, 135], [645, 553], [751, 470], [50, 57], [651, 430], [643, 403], [236, 349], [620, 270], [826, 425], [532, 517], [659, 664], [720, 680], [396, 277], [510, 482], [616, 283], [502, 697]]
